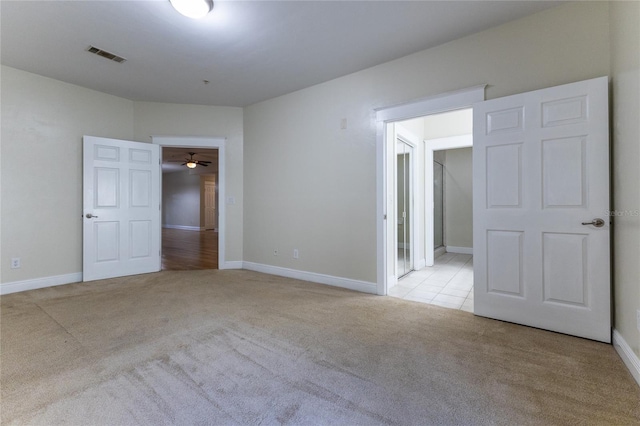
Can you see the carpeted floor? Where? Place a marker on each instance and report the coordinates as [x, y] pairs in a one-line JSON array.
[[238, 347]]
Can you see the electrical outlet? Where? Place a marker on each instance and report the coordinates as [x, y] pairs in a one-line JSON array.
[[296, 254], [15, 262]]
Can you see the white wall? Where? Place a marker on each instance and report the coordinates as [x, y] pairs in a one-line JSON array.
[[43, 121], [181, 199], [625, 75], [453, 123], [161, 119], [310, 184]]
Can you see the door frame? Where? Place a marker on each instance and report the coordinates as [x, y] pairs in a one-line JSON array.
[[449, 101], [211, 143], [407, 138]]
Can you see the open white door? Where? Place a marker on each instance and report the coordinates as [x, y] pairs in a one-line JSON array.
[[541, 178], [121, 190]]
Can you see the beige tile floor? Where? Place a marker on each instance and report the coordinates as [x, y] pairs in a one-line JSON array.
[[448, 283]]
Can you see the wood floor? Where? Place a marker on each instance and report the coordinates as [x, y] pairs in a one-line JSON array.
[[189, 250]]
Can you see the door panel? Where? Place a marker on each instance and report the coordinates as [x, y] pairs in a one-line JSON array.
[[504, 263], [121, 190], [541, 170]]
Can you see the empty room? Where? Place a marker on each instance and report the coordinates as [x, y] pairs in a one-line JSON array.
[[263, 212]]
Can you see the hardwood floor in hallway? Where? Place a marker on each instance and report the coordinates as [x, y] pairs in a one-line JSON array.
[[184, 250]]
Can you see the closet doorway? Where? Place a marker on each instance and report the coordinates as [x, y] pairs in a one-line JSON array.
[[405, 202]]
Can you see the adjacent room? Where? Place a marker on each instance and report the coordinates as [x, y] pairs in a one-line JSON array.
[[261, 214], [189, 209]]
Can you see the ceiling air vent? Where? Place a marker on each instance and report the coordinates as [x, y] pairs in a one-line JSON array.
[[105, 54]]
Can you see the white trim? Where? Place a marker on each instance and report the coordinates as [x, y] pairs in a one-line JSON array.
[[204, 142], [231, 264], [629, 357], [392, 280], [362, 286], [381, 211], [419, 264], [439, 251], [184, 227], [188, 141], [459, 250], [34, 284], [449, 101], [407, 137]]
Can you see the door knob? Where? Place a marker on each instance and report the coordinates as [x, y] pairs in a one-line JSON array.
[[89, 216], [598, 223]]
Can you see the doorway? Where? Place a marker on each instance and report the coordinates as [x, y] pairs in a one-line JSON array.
[[386, 118], [189, 214], [199, 143], [443, 197]]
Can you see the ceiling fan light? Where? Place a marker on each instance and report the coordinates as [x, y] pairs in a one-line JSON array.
[[191, 165], [194, 9]]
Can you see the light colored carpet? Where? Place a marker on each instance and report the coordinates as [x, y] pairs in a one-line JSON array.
[[238, 347]]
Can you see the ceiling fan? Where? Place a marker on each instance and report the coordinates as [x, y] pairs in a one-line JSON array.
[[191, 163]]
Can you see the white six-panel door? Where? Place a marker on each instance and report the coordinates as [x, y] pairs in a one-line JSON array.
[[121, 208], [541, 176]]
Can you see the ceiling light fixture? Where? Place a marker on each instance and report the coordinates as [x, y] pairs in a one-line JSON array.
[[194, 9], [191, 165]]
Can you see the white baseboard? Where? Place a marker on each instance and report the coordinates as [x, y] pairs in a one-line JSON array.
[[421, 263], [629, 357], [459, 250], [183, 227], [16, 286], [439, 251], [363, 286], [232, 264]]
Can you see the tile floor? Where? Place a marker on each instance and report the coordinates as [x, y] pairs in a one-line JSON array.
[[448, 283]]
